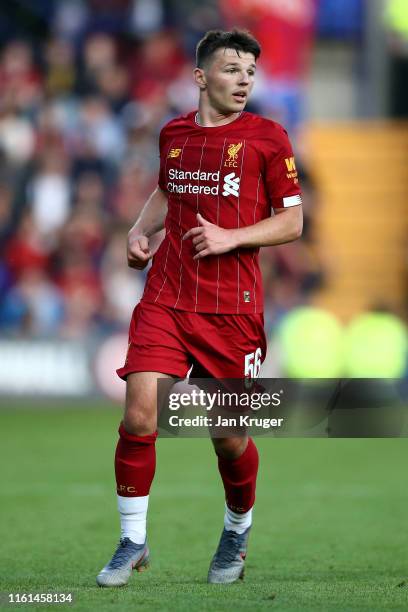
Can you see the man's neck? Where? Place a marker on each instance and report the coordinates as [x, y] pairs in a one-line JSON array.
[[209, 117]]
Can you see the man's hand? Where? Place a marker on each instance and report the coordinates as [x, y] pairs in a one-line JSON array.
[[209, 239], [138, 251]]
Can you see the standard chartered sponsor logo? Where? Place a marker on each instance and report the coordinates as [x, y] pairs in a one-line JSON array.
[[230, 186], [196, 175]]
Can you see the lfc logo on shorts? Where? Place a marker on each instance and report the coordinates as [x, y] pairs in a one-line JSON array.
[[233, 150]]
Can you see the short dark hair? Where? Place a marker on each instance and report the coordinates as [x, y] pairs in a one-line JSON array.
[[240, 40]]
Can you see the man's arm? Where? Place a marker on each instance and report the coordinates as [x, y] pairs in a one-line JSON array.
[[150, 221], [209, 239]]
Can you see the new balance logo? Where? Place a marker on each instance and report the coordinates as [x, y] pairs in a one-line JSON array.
[[174, 152], [231, 185]]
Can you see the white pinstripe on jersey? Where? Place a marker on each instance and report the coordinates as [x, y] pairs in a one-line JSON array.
[[180, 232], [218, 222], [168, 246], [253, 254], [239, 197], [198, 261]]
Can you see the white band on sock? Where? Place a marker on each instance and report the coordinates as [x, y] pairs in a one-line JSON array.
[[133, 513], [233, 521]]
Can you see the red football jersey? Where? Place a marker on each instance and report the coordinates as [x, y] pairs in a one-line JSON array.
[[233, 175]]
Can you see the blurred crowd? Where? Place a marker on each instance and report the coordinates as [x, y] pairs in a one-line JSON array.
[[81, 108]]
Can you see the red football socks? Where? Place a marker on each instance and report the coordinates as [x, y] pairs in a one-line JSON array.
[[239, 478], [135, 463]]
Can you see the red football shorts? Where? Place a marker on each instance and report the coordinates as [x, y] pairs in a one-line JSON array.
[[162, 339]]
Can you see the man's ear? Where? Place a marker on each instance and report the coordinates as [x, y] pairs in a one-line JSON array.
[[199, 76]]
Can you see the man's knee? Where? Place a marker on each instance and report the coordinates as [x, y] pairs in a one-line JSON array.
[[138, 421], [140, 418], [230, 448]]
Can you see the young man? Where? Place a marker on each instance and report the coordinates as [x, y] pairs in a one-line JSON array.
[[222, 171]]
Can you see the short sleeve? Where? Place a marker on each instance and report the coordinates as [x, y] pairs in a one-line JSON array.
[[282, 181]]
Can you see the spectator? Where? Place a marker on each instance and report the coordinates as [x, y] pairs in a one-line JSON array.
[[49, 193], [122, 289], [34, 306], [26, 250], [60, 72]]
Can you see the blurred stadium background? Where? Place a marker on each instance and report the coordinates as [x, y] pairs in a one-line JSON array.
[[85, 89]]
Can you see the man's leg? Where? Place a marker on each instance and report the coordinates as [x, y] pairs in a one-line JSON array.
[[135, 462], [238, 466]]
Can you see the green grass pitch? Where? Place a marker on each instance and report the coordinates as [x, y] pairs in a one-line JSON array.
[[330, 524]]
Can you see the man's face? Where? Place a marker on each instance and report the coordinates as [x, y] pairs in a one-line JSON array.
[[228, 79]]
